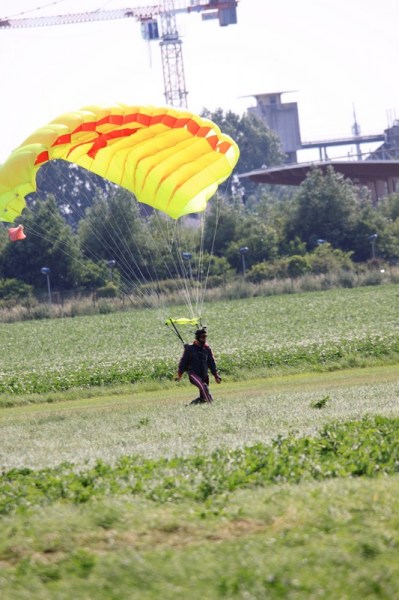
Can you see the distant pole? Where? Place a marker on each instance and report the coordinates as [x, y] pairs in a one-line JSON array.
[[373, 239], [46, 272], [243, 252], [111, 264]]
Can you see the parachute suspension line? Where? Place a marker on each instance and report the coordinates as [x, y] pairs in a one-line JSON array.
[[173, 240], [39, 234], [207, 267], [127, 270], [134, 266], [47, 238], [142, 275], [217, 215], [145, 224], [133, 274], [193, 257], [184, 270], [102, 243]]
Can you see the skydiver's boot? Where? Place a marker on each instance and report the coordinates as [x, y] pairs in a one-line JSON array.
[[196, 401]]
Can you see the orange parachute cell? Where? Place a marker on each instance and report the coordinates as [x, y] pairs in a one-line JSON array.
[[16, 233], [171, 159]]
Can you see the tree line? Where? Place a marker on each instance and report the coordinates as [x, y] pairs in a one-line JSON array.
[[81, 227]]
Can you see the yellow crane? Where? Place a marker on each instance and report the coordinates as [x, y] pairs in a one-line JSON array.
[[158, 22]]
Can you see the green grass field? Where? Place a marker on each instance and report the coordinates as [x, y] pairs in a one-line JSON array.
[[303, 331], [286, 487]]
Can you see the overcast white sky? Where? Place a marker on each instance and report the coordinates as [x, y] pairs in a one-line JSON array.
[[335, 54]]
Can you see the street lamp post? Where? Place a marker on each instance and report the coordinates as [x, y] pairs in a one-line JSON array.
[[373, 238], [46, 272], [243, 252], [188, 256], [111, 264]]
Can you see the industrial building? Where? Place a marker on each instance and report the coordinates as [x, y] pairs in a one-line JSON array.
[[378, 170]]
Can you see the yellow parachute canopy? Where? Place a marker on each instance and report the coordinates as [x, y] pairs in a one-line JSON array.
[[171, 159]]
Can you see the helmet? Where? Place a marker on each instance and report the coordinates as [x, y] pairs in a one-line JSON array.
[[200, 332]]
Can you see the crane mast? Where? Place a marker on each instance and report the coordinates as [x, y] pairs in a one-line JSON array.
[[170, 42], [172, 59]]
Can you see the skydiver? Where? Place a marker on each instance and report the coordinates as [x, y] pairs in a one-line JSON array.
[[197, 359]]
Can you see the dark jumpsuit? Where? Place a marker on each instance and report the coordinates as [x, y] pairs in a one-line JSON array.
[[196, 360]]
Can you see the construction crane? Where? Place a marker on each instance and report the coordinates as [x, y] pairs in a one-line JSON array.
[[158, 22]]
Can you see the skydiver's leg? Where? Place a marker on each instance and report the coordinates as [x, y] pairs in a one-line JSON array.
[[205, 395]]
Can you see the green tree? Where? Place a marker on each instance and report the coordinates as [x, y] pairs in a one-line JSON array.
[[145, 245], [13, 291], [297, 266], [221, 225], [73, 188], [260, 239], [388, 227], [327, 207], [389, 207], [111, 230], [387, 245], [266, 271], [49, 243]]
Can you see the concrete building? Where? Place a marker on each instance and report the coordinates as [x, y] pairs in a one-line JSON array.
[[282, 118]]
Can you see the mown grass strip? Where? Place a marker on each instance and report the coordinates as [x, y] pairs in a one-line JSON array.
[[361, 448]]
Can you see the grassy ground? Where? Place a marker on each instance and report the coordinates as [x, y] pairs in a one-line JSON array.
[[337, 539], [330, 538], [286, 487], [157, 423]]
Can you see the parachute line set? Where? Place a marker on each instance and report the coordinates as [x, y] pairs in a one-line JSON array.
[[170, 159]]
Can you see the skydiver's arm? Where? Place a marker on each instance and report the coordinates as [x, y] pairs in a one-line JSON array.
[[212, 363], [184, 361]]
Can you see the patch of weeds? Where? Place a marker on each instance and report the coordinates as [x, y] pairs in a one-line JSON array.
[[143, 422], [106, 517], [369, 447], [321, 403]]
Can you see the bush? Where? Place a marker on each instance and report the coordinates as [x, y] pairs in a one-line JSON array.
[[264, 271], [372, 278], [326, 259], [14, 291], [297, 266], [346, 279], [267, 271], [110, 290]]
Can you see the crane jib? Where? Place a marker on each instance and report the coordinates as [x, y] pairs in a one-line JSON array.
[[170, 42]]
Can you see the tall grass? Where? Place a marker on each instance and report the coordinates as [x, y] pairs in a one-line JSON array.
[[232, 290], [318, 330]]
